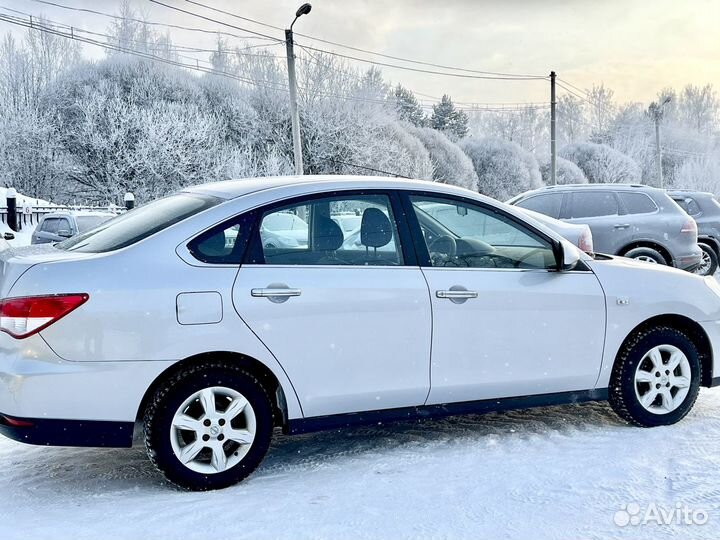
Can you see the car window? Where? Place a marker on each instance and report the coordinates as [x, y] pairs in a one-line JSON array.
[[225, 243], [50, 225], [64, 225], [316, 237], [547, 203], [85, 223], [593, 204], [462, 234], [140, 223], [637, 203], [688, 204]]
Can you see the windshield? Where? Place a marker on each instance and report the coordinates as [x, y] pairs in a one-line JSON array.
[[85, 223], [139, 223]]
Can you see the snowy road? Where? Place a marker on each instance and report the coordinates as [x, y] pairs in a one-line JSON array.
[[559, 472]]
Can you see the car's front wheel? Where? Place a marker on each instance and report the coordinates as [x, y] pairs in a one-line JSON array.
[[656, 377], [208, 426]]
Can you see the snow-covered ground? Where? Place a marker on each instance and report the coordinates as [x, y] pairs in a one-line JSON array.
[[558, 472]]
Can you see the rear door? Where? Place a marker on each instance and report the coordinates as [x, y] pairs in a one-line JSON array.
[[349, 322], [600, 210]]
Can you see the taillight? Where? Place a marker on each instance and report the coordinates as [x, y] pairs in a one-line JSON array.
[[585, 242], [24, 316], [689, 226]]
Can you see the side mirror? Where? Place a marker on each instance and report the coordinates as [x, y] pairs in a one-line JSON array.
[[64, 233], [9, 236], [567, 256]]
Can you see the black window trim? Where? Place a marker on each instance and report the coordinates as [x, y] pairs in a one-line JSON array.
[[419, 240], [241, 242], [253, 253]]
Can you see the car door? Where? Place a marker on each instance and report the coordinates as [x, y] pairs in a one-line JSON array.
[[505, 321], [599, 209], [46, 231], [350, 326]]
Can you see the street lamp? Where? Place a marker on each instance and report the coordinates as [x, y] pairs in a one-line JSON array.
[[292, 82], [656, 113]]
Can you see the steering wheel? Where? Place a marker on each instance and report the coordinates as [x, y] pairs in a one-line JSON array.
[[444, 245]]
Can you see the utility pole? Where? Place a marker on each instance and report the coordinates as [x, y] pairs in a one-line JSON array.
[[553, 140], [292, 83], [656, 112]]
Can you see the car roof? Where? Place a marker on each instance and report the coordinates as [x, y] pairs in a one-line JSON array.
[[231, 189], [692, 192], [78, 213], [599, 186]]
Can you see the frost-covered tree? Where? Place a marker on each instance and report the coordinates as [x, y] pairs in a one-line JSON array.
[[700, 173], [602, 164], [503, 168], [566, 172], [602, 111], [698, 108], [571, 121], [450, 164], [447, 118], [407, 106]]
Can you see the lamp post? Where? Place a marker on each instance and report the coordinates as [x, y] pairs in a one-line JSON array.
[[292, 82], [656, 111]]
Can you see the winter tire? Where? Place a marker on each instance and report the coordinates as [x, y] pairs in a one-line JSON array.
[[645, 254], [656, 377], [209, 426], [709, 264]]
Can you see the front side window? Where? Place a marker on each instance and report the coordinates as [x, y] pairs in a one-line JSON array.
[[548, 204], [315, 232], [593, 204], [140, 223], [462, 234]]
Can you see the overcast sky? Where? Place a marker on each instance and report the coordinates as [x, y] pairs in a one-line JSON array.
[[635, 47]]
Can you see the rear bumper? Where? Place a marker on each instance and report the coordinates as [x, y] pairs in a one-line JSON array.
[[688, 262], [53, 432]]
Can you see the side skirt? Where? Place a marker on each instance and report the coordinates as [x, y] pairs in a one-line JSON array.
[[321, 423]]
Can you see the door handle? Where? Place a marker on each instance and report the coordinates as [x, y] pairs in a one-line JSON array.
[[622, 226], [275, 293], [454, 295]]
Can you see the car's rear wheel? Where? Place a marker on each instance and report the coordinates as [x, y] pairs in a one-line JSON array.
[[646, 254], [209, 426], [709, 263], [656, 377]]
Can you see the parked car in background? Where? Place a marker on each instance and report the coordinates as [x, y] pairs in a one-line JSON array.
[[705, 210], [455, 303], [631, 220], [59, 226]]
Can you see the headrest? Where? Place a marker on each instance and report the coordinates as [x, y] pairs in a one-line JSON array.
[[375, 228], [328, 234]]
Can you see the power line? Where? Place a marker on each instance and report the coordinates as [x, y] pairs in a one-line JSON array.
[[365, 51], [210, 19], [152, 23]]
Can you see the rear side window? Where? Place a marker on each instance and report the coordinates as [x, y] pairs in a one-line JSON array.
[[593, 204], [689, 205], [140, 223], [548, 204], [225, 243], [50, 225], [637, 203]]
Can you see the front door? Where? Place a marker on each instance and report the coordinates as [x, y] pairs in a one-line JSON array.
[[505, 321], [346, 313]]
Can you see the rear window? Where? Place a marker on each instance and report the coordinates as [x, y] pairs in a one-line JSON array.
[[689, 205], [548, 204], [140, 223], [637, 203], [593, 204]]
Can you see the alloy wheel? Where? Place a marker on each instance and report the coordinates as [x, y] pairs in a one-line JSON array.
[[213, 430], [662, 379]]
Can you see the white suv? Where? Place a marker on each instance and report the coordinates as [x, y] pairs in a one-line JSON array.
[[179, 316]]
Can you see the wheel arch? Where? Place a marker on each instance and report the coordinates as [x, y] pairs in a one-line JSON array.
[[256, 367], [692, 329], [648, 244]]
